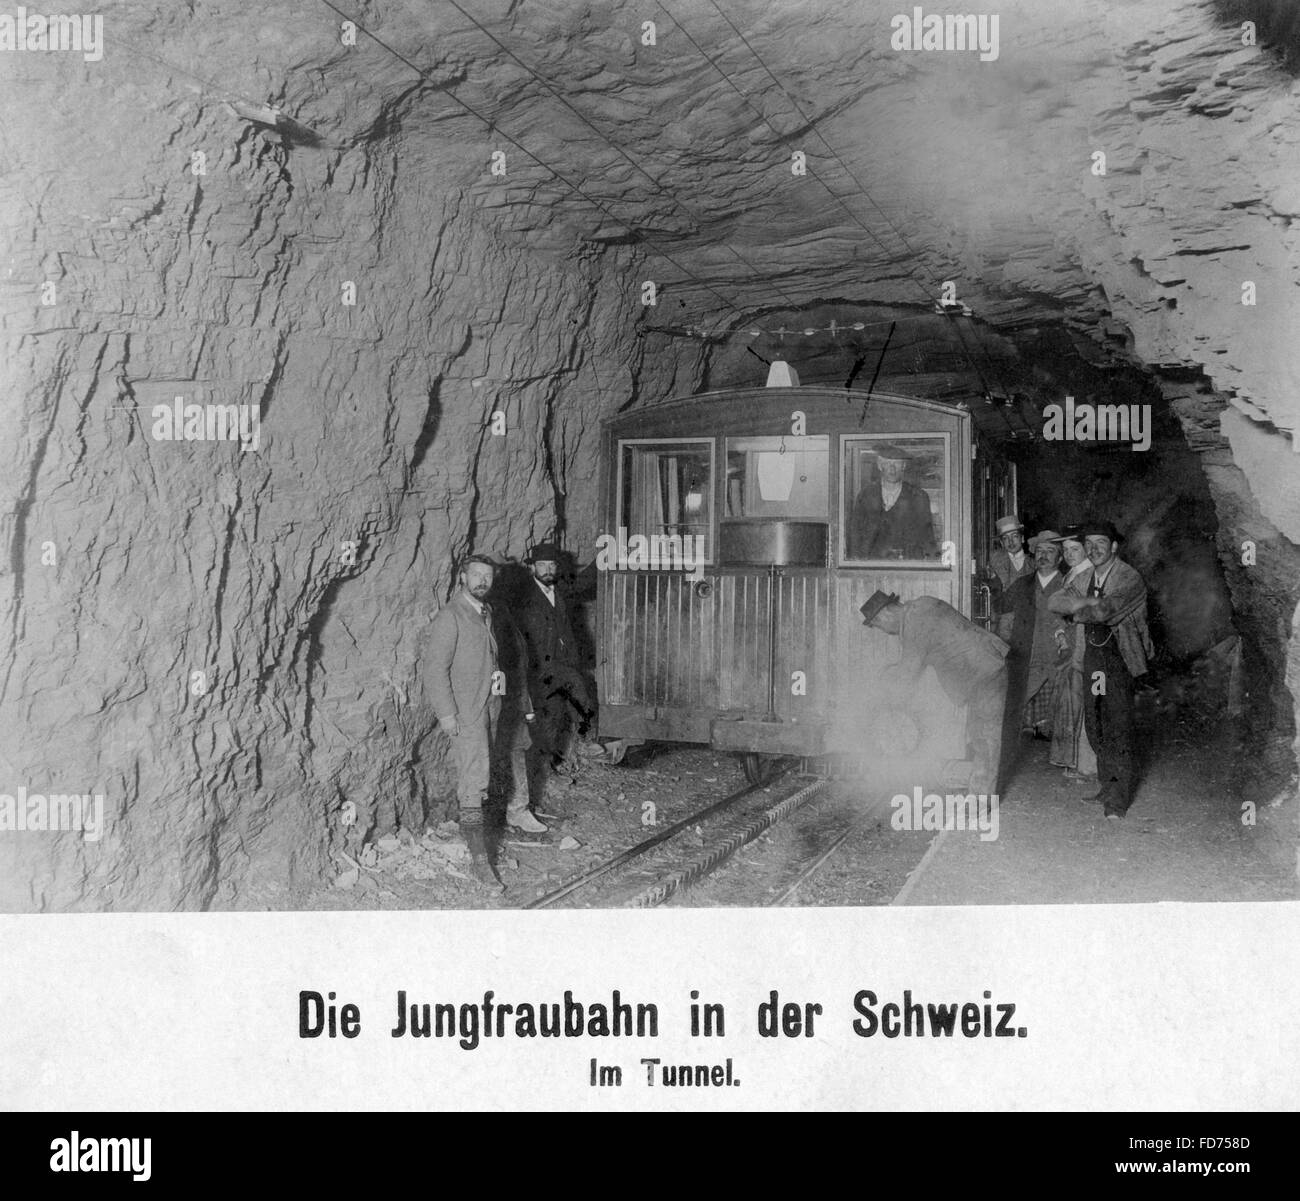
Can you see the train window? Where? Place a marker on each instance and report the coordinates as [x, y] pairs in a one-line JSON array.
[[778, 477], [895, 498], [666, 489]]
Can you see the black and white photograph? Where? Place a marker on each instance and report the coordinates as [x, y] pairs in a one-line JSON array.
[[676, 462]]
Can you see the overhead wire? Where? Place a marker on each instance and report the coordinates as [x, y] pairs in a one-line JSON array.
[[653, 244], [911, 254], [492, 125], [658, 184], [811, 124]]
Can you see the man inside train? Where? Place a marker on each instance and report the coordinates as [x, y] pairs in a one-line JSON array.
[[891, 518]]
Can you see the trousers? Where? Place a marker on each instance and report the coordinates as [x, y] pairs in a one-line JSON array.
[[471, 752], [1108, 718], [511, 747], [985, 704]]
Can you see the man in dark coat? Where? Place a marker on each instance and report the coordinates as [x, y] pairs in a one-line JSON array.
[[891, 518], [1031, 629], [1117, 648], [555, 681], [515, 725]]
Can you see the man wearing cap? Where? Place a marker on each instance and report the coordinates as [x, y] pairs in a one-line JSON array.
[[461, 667], [891, 518], [1030, 627], [1117, 647], [1009, 561], [969, 662], [555, 679]]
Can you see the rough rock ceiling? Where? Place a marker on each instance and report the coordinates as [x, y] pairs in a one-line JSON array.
[[923, 166]]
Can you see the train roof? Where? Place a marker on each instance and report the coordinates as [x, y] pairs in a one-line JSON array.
[[802, 393], [989, 422]]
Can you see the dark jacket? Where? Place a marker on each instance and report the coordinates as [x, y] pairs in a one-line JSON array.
[[548, 635], [1029, 626], [512, 660], [904, 532]]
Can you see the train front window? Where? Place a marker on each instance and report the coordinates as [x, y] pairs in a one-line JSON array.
[[781, 477], [895, 499], [666, 490]]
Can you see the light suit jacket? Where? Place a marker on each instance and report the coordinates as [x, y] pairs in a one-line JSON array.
[[934, 634], [460, 658]]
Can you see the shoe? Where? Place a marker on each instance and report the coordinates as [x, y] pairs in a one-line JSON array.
[[480, 864], [485, 875], [1114, 814], [517, 835], [523, 822]]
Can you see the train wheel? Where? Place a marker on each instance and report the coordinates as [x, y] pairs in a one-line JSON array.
[[759, 769]]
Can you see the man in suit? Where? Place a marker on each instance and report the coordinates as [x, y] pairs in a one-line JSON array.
[[461, 666], [969, 662], [515, 726], [1030, 628], [1009, 562], [555, 681], [891, 518], [1117, 647]]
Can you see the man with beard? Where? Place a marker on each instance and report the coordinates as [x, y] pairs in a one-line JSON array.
[[555, 680], [1117, 647], [460, 662]]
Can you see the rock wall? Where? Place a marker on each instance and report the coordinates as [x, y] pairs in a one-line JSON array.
[[221, 641]]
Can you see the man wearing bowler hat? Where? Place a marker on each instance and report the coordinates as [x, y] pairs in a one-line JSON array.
[[891, 518], [970, 663], [555, 680], [1009, 560], [1117, 647]]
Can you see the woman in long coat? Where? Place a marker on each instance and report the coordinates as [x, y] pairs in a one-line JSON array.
[[1070, 747]]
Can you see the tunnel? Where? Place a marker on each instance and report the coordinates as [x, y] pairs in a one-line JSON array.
[[402, 260]]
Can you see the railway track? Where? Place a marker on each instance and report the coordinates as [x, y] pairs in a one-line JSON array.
[[684, 853], [845, 831]]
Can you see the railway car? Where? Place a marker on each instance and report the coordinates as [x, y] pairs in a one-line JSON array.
[[743, 529]]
